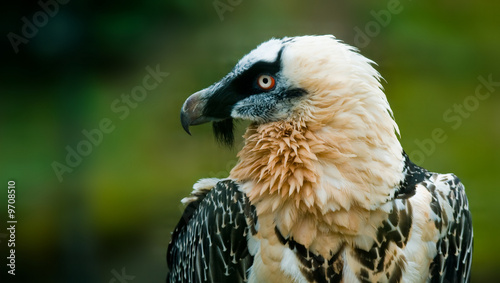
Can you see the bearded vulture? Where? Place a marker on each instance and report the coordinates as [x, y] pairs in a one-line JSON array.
[[322, 191]]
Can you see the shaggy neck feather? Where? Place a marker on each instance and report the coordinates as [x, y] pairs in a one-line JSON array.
[[318, 180]]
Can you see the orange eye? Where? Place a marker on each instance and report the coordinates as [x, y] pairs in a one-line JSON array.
[[266, 82]]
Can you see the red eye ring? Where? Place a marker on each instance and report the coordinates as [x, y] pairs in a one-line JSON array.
[[266, 82]]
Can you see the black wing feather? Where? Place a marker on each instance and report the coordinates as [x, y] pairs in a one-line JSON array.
[[209, 243], [454, 251], [453, 260]]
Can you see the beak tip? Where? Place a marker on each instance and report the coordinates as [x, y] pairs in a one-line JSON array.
[[192, 112], [185, 121]]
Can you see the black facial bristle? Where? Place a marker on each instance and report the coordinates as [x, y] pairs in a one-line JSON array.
[[224, 132]]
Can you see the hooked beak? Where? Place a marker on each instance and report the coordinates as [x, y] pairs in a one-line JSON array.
[[192, 110], [201, 107]]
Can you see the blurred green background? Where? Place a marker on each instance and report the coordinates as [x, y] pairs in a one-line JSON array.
[[114, 212]]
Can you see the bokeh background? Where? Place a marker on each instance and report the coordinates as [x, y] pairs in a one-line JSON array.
[[114, 212]]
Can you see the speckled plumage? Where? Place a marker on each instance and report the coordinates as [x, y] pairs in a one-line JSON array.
[[208, 244], [323, 191]]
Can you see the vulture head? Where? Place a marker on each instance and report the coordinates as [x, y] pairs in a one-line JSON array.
[[322, 131]]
